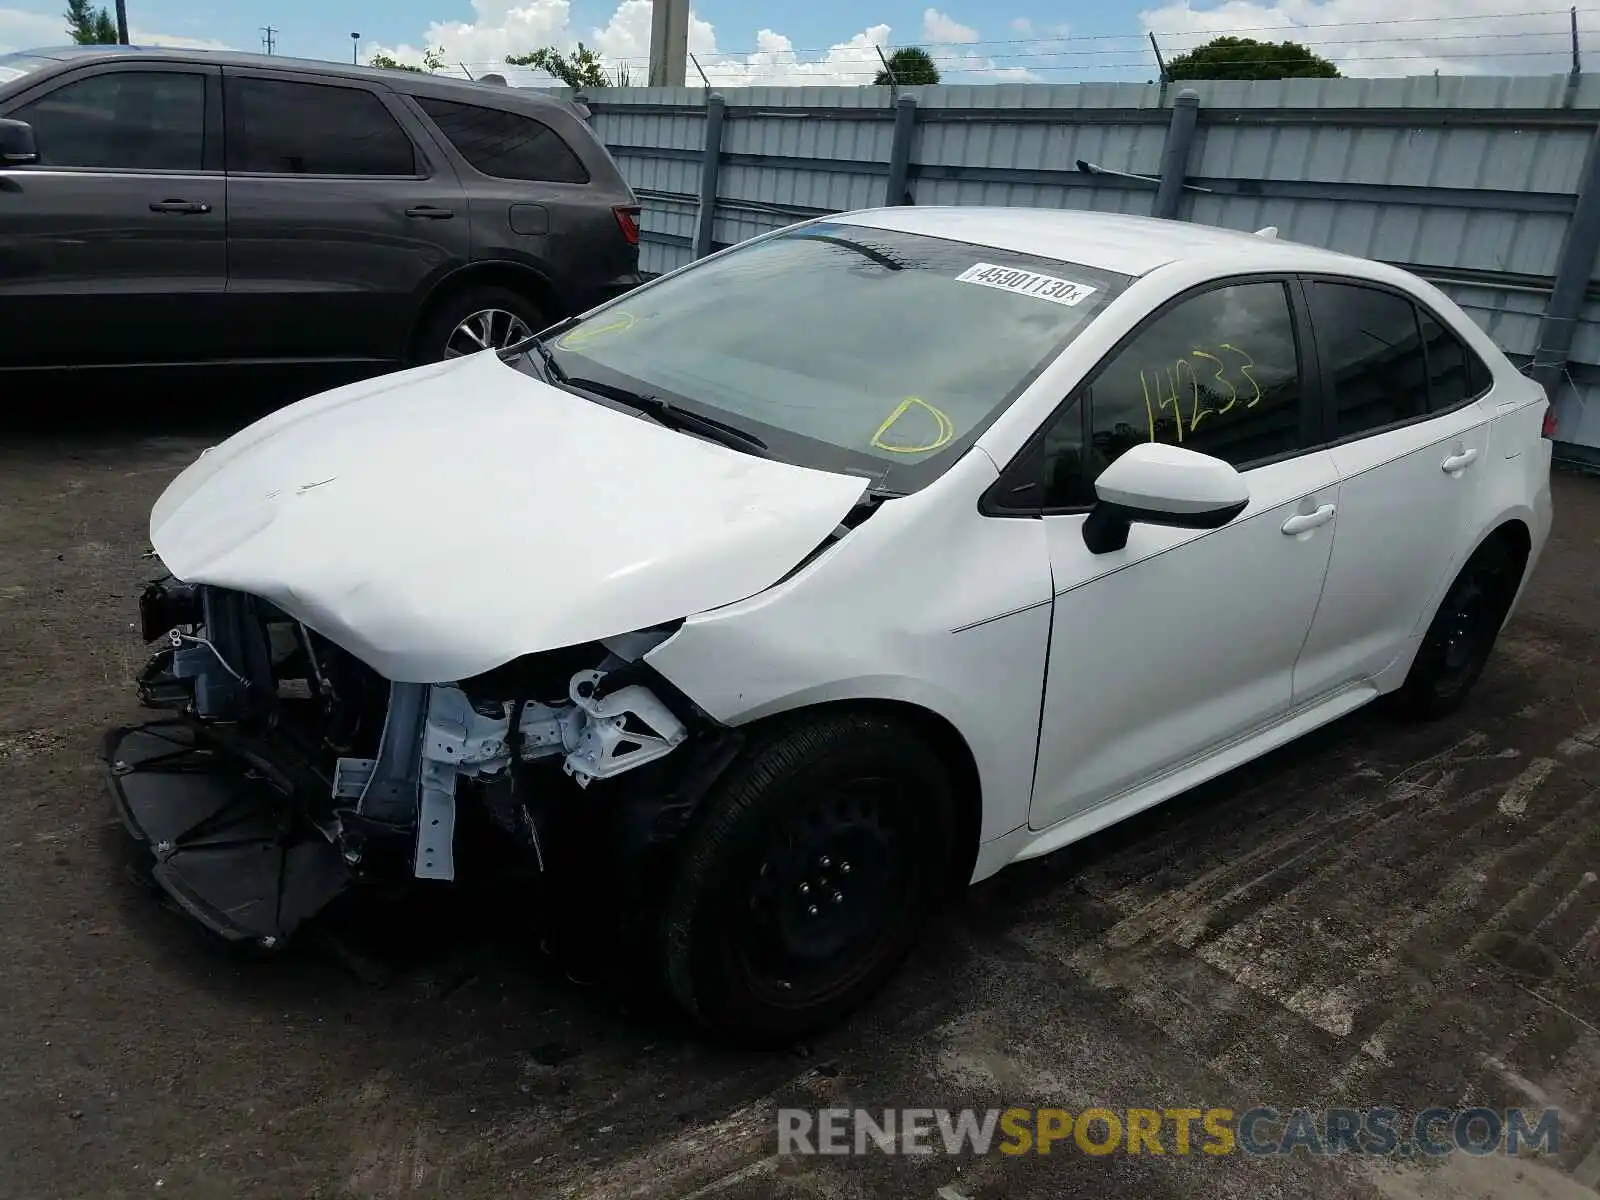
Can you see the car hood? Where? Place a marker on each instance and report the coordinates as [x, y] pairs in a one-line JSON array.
[[444, 520]]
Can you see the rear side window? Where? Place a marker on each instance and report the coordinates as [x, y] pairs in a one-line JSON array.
[[1455, 373], [1372, 353], [134, 120], [504, 144], [284, 128], [1218, 373]]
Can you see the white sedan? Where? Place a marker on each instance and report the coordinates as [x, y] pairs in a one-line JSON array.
[[757, 610]]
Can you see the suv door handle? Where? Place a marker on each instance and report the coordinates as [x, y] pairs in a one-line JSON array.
[[428, 212], [1458, 463], [180, 206], [1304, 522]]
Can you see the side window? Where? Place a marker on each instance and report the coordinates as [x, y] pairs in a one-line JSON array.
[[1219, 373], [505, 145], [1372, 351], [135, 120], [1455, 373], [284, 128]]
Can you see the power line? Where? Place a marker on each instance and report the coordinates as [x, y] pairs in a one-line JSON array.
[[269, 37]]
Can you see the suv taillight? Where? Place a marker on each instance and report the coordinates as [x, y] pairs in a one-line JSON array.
[[1549, 429], [628, 221]]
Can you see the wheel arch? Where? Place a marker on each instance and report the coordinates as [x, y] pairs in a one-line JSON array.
[[943, 739], [1513, 534], [516, 276]]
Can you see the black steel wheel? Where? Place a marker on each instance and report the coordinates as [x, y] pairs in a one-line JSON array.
[[1461, 637], [818, 860]]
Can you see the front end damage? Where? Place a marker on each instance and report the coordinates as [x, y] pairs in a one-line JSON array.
[[289, 771]]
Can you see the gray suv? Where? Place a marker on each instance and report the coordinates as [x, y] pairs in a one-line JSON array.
[[178, 208]]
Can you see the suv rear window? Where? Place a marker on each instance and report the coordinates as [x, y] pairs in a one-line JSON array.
[[279, 127], [504, 144]]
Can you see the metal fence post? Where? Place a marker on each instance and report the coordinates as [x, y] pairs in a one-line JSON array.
[[1578, 246], [710, 163], [1175, 153], [905, 125]]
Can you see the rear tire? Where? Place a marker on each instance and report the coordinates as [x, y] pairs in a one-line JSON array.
[[819, 857], [474, 319], [1460, 638]]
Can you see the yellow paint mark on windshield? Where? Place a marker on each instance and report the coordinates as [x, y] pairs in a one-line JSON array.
[[946, 428], [613, 323]]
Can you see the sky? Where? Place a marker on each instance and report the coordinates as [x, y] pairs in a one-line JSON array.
[[836, 41]]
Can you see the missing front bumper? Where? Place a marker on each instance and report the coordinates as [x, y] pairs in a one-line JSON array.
[[222, 831]]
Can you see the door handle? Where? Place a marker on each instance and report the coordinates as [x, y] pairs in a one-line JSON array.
[[1458, 463], [1304, 522], [182, 207], [428, 212]]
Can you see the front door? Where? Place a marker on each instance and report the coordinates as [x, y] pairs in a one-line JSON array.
[[1185, 639], [113, 246], [339, 219], [1412, 439]]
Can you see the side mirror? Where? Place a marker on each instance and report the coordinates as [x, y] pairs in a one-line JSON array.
[[17, 148], [1162, 485]]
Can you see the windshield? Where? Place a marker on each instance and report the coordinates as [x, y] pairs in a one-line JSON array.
[[844, 347], [15, 66]]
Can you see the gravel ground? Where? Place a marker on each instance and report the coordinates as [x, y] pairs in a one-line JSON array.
[[1381, 914]]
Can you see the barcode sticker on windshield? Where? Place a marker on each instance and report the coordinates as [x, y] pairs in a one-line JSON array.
[[1027, 283]]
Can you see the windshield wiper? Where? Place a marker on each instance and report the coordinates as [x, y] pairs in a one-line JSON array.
[[670, 415]]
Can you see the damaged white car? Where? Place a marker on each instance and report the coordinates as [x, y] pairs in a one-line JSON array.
[[840, 568]]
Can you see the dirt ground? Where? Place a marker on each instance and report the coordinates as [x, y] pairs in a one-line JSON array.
[[1379, 915]]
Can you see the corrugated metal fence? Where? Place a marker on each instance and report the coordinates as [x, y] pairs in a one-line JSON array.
[[1489, 187]]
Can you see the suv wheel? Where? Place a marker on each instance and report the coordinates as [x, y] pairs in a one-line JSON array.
[[476, 319], [818, 859]]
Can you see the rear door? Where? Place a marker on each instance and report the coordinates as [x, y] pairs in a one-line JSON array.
[[534, 201], [113, 246], [1410, 438], [342, 216]]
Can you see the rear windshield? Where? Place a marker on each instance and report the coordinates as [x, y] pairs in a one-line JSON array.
[[15, 66], [845, 347]]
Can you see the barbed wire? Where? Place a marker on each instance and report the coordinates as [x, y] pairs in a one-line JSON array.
[[1097, 52], [1286, 31], [991, 63]]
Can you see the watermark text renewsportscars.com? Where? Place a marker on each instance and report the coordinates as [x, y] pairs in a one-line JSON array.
[[1379, 1131]]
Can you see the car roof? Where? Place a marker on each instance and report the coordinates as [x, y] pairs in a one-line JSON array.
[[1105, 241], [413, 82]]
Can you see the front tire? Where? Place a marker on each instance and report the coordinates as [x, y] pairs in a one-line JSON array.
[[1460, 638], [820, 856]]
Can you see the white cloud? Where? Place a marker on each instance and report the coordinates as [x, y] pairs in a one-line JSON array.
[[1022, 25], [140, 37], [943, 30], [1365, 37], [21, 30], [501, 27]]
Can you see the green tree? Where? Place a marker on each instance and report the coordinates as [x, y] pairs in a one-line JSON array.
[[89, 26], [580, 69], [432, 60], [1246, 58], [911, 65]]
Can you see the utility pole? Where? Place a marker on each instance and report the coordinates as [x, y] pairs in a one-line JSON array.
[[269, 38], [122, 22], [669, 42], [355, 49]]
